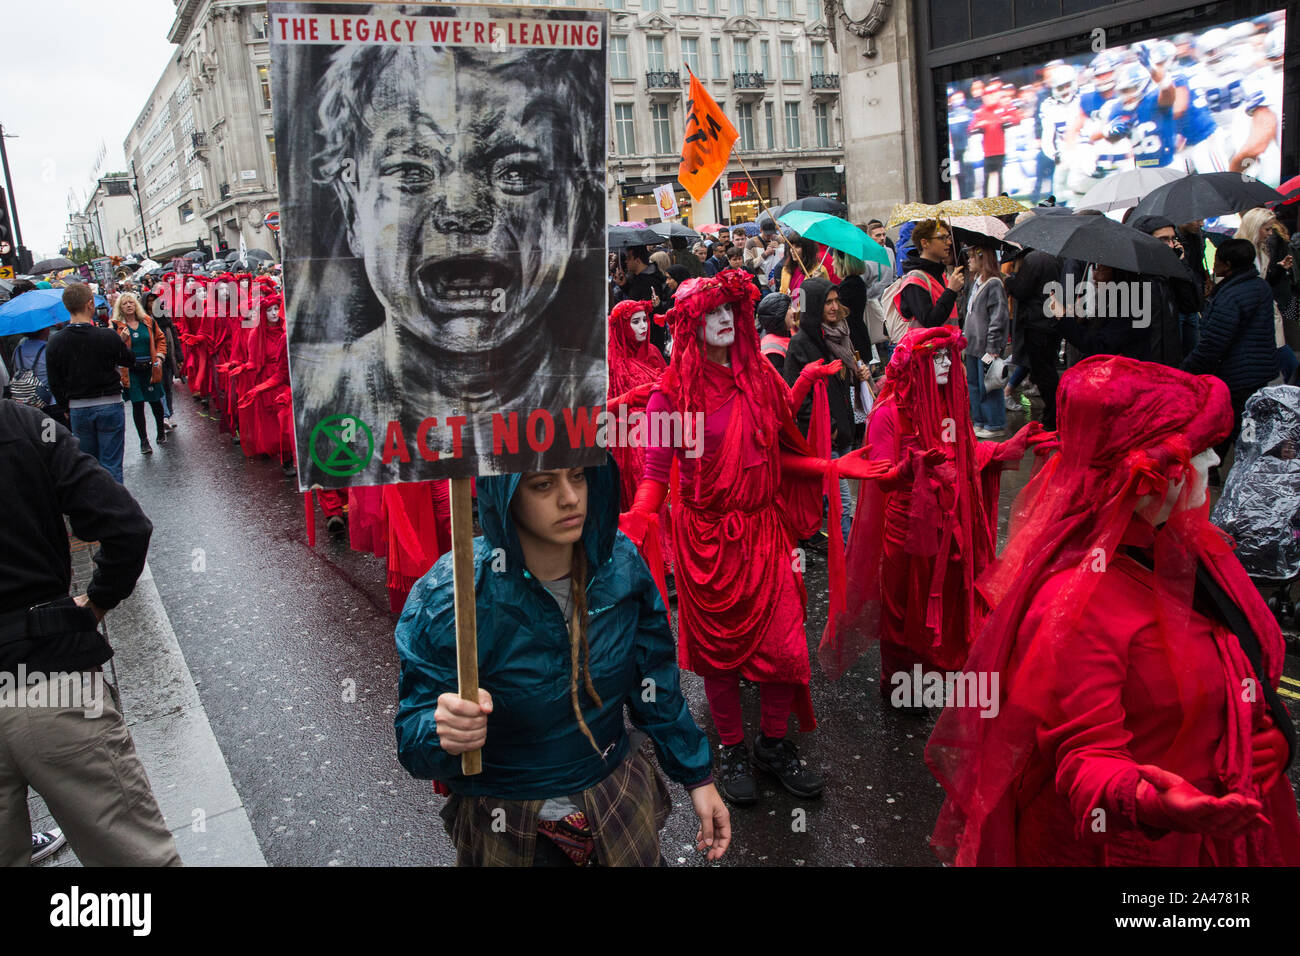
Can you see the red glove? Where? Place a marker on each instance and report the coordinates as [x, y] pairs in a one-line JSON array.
[[1168, 802], [901, 474], [637, 521], [1270, 753], [856, 464], [808, 375], [1014, 448], [816, 369], [634, 398]]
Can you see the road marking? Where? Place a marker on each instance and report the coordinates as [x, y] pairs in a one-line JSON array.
[[1287, 693], [1290, 680]]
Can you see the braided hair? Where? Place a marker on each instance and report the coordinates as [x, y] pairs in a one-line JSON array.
[[579, 649]]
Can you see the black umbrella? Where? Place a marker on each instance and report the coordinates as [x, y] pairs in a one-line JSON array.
[[230, 256], [1204, 196], [52, 265], [675, 228], [1100, 240], [620, 237], [259, 254], [196, 255]]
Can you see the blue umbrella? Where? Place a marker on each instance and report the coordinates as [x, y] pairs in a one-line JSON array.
[[33, 311]]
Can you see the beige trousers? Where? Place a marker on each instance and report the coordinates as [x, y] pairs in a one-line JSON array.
[[87, 771]]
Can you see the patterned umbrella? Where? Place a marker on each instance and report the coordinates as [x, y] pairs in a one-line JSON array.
[[988, 206]]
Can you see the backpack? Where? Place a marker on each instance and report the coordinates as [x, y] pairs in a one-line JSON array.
[[895, 325], [25, 388]]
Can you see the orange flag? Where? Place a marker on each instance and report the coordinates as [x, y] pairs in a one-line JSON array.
[[708, 142]]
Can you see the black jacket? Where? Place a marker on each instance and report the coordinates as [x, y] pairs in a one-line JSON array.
[[916, 301], [46, 480], [806, 346], [1236, 342], [1037, 270], [82, 362]]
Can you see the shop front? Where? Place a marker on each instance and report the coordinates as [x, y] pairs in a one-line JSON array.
[[743, 198], [639, 204], [825, 181]]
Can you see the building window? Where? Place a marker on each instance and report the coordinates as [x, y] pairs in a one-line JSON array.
[[691, 54], [769, 120], [654, 54], [740, 55], [618, 57], [186, 211], [765, 57], [818, 57], [270, 145], [264, 81], [618, 4], [745, 113], [789, 65], [713, 7], [785, 9], [663, 128], [687, 6], [715, 48], [257, 26], [624, 129], [822, 123], [650, 6], [760, 7], [792, 126]]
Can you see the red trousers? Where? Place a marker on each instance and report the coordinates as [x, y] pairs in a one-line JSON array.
[[775, 701]]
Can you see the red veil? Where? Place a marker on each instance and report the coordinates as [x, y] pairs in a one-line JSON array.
[[1127, 429], [955, 514], [631, 363]]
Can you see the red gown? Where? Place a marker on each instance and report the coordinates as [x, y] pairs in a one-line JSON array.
[[915, 552], [737, 513], [1113, 651]]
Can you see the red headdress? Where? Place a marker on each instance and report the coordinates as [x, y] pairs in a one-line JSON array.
[[631, 363], [685, 381], [1127, 429]]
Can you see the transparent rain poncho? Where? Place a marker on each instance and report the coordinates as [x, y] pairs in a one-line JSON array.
[[1260, 505]]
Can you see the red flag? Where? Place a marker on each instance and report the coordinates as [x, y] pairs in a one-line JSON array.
[[707, 144]]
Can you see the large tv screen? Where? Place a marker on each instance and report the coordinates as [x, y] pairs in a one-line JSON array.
[[1203, 102]]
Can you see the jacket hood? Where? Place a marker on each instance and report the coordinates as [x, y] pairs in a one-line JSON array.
[[495, 492], [814, 303], [771, 313]]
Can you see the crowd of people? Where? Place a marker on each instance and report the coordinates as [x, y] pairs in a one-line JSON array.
[[856, 408], [872, 402]]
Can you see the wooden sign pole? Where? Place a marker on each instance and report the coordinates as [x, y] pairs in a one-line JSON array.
[[462, 556]]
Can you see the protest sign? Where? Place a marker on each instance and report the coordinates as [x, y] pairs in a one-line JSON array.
[[442, 174]]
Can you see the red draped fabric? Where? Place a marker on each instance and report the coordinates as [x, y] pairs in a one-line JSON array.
[[1105, 658], [631, 363], [418, 519], [915, 552]]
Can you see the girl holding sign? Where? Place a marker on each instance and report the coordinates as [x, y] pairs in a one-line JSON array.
[[571, 631]]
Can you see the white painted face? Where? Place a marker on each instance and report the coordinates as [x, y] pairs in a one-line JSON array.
[[1201, 466], [720, 326], [640, 326], [942, 366]]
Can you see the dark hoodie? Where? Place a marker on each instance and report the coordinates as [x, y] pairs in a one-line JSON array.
[[808, 345], [916, 301], [535, 748], [771, 314]]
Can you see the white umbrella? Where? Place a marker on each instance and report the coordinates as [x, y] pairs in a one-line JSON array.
[[1125, 189]]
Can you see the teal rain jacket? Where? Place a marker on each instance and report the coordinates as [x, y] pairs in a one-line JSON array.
[[535, 748]]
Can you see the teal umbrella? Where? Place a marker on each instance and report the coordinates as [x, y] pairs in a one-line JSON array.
[[836, 233]]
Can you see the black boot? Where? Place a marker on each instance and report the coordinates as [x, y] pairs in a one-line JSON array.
[[146, 448], [781, 760], [734, 778]]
